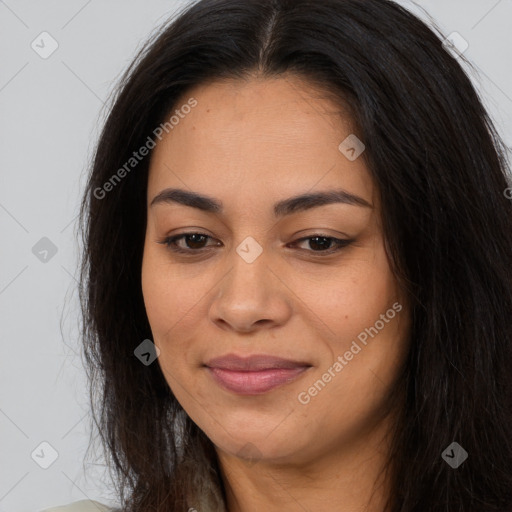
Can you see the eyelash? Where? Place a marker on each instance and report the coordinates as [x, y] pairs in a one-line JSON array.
[[170, 243]]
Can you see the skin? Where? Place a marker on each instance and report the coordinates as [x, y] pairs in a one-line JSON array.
[[250, 144]]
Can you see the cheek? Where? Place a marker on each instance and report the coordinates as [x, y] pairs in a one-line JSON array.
[[352, 298], [166, 302], [156, 293], [168, 296], [372, 342], [175, 306]]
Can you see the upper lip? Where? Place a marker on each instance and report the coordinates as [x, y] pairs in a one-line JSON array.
[[253, 363]]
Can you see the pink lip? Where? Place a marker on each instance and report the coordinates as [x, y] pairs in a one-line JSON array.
[[254, 375]]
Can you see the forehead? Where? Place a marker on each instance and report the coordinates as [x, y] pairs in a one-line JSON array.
[[271, 137]]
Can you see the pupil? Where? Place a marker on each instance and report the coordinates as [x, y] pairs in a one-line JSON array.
[[313, 241], [194, 240]]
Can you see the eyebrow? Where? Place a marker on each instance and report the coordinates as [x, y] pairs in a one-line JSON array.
[[285, 207]]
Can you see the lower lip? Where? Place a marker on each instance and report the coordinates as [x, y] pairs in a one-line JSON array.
[[255, 382]]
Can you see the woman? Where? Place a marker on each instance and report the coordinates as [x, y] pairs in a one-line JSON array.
[[295, 285]]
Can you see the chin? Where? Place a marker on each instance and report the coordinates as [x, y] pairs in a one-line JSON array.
[[254, 444]]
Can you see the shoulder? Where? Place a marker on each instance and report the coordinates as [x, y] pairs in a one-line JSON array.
[[80, 506]]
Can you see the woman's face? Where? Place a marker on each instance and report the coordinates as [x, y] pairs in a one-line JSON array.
[[255, 280]]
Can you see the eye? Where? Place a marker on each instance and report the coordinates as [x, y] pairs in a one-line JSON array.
[[195, 243], [324, 244]]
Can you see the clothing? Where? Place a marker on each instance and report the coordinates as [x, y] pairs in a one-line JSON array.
[[81, 506]]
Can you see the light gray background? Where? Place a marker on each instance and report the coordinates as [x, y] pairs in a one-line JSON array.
[[50, 118]]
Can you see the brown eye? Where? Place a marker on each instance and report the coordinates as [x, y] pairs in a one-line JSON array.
[[324, 244], [318, 243], [194, 242]]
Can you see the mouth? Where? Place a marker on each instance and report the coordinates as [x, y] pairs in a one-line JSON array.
[[254, 375]]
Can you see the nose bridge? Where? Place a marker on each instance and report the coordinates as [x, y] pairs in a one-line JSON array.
[[249, 292], [248, 278]]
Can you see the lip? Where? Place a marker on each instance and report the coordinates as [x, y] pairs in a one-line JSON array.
[[253, 363], [255, 374]]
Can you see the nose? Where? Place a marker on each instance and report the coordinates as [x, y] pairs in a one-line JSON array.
[[250, 297]]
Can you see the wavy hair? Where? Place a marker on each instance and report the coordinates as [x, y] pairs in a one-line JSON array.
[[440, 168]]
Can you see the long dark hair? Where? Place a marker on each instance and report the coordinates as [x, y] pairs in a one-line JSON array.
[[440, 168]]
